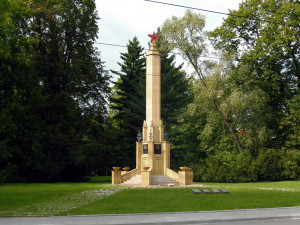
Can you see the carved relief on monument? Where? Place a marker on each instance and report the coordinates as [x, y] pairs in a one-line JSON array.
[[145, 148], [157, 148]]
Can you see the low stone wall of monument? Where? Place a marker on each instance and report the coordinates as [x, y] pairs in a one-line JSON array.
[[119, 177], [128, 175], [172, 174]]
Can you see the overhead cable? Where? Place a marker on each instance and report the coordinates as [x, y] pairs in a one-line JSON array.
[[188, 7], [101, 43], [175, 53], [211, 11]]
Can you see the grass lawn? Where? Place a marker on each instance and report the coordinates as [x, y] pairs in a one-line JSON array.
[[99, 197]]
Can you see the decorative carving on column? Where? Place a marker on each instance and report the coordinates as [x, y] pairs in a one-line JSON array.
[[166, 136], [145, 131], [139, 136]]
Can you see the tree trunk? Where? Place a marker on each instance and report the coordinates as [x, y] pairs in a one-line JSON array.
[[297, 66], [229, 126], [225, 119]]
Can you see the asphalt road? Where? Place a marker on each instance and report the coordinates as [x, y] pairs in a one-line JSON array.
[[269, 216], [291, 221]]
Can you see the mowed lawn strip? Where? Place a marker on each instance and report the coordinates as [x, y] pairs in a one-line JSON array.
[[18, 196], [150, 200], [21, 199]]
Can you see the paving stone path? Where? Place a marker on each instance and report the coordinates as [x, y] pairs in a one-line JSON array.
[[66, 203]]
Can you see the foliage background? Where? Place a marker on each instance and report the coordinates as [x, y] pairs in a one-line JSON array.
[[234, 119]]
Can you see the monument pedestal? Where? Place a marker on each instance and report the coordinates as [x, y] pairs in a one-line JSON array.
[[145, 178], [115, 177], [153, 153], [185, 178]]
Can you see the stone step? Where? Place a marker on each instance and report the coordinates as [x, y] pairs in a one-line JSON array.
[[136, 180], [163, 180]]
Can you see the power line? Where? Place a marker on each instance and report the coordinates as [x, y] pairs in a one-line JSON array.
[[193, 8], [188, 7], [115, 45], [120, 73], [211, 11], [201, 56], [175, 53]]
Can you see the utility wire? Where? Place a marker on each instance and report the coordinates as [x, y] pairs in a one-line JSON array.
[[193, 8], [118, 73], [188, 7], [175, 53], [115, 45], [211, 11]]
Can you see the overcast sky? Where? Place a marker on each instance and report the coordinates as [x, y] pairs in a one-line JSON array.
[[121, 20]]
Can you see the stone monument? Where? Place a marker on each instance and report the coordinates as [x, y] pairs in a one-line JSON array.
[[152, 147]]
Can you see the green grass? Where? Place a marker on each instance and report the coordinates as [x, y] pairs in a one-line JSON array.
[[100, 179], [17, 199], [85, 198]]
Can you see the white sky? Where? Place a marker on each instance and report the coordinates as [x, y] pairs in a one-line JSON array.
[[121, 20]]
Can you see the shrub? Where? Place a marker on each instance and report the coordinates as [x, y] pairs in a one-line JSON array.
[[269, 165], [291, 164], [223, 167]]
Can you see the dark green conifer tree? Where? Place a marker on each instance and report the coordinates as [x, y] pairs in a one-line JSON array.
[[176, 94], [128, 102]]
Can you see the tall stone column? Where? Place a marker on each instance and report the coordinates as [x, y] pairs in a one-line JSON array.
[[155, 151], [153, 93]]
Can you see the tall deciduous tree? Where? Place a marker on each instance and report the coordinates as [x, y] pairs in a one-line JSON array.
[[290, 126], [176, 94], [265, 34], [242, 104], [20, 92], [52, 85], [74, 81], [176, 91], [187, 35]]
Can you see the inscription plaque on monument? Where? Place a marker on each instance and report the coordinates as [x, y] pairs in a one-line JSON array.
[[157, 148], [145, 149]]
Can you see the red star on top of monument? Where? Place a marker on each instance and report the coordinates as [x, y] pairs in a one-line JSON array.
[[153, 37]]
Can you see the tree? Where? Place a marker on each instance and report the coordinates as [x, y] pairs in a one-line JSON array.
[[252, 91], [74, 81], [176, 94], [240, 102], [52, 85], [20, 92], [264, 35], [186, 34], [290, 126], [128, 100]]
